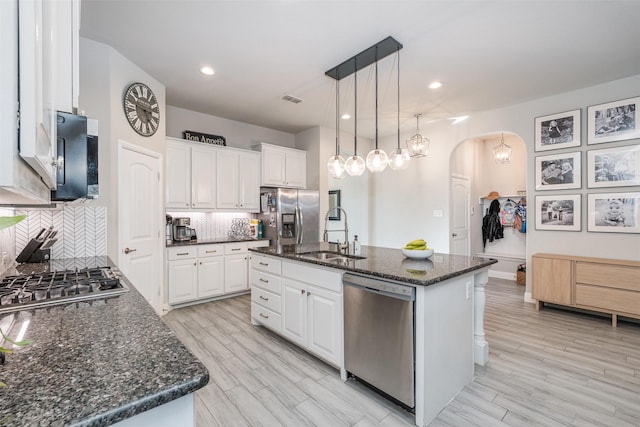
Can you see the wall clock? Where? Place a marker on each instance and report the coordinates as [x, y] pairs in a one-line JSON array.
[[142, 109]]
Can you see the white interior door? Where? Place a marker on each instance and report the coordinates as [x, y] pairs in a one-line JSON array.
[[139, 214], [460, 216]]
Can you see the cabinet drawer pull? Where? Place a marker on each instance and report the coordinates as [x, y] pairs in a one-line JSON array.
[[302, 291], [266, 264], [211, 252], [264, 315], [264, 298], [182, 253], [263, 280], [235, 249]]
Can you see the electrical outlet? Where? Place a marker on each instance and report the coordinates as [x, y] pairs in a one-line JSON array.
[[468, 293], [437, 213]]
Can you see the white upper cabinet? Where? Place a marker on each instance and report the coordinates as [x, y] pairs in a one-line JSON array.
[[38, 44], [238, 175], [190, 175], [283, 167], [203, 177], [200, 176]]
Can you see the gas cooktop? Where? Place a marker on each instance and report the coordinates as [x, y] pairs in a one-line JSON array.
[[58, 287]]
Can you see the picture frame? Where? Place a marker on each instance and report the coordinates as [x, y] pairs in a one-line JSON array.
[[559, 212], [558, 171], [334, 202], [613, 212], [613, 167], [560, 130], [613, 121]]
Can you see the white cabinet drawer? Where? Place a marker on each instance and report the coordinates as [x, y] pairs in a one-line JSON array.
[[265, 316], [270, 265], [319, 276], [181, 252], [265, 281], [235, 248], [210, 250], [266, 299]]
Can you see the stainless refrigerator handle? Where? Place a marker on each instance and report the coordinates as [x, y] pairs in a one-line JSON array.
[[300, 225]]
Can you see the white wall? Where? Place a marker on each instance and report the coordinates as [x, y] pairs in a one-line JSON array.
[[404, 200], [104, 76], [237, 134]]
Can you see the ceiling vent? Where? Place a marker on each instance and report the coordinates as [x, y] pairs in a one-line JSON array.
[[291, 98]]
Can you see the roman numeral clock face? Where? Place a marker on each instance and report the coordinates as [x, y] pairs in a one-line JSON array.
[[142, 109]]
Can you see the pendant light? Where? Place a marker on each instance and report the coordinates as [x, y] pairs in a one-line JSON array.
[[399, 158], [355, 164], [502, 152], [418, 145], [335, 165], [377, 159]]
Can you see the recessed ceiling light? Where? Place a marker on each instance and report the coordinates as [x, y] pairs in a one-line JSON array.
[[345, 116], [435, 85], [207, 71]]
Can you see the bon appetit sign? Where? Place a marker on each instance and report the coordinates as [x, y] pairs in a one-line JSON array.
[[204, 137]]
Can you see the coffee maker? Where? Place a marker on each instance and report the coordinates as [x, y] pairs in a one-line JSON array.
[[181, 229]]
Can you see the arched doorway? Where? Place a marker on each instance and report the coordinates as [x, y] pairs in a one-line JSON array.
[[473, 161]]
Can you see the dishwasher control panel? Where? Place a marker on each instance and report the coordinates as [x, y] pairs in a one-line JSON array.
[[395, 289]]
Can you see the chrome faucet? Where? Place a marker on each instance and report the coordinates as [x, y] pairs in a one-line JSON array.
[[342, 247]]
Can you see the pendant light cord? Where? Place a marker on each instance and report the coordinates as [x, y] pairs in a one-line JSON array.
[[398, 67], [355, 125], [337, 118], [376, 99]]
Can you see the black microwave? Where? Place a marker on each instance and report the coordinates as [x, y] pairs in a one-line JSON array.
[[77, 158]]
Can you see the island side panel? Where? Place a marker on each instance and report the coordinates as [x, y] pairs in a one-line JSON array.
[[444, 344]]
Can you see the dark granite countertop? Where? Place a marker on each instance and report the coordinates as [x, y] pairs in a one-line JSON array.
[[92, 364], [211, 241], [387, 263]]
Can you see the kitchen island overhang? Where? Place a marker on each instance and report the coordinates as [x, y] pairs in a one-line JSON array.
[[449, 313]]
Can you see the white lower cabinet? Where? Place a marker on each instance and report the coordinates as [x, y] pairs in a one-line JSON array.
[[310, 305], [204, 271]]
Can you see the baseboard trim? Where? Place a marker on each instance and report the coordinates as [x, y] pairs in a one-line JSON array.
[[502, 275]]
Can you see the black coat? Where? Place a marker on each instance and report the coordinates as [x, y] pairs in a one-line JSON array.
[[492, 229]]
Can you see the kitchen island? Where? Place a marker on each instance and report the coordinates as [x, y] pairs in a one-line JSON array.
[[96, 363], [449, 309]]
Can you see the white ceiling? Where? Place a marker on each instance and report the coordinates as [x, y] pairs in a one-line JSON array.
[[489, 54]]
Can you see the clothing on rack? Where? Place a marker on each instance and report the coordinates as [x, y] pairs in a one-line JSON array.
[[492, 229]]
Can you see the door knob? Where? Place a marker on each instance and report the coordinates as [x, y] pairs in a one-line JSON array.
[[127, 250], [454, 235]]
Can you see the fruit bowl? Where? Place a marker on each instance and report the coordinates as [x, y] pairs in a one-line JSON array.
[[420, 254]]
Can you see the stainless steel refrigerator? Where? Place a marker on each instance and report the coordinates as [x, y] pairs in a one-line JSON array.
[[290, 216]]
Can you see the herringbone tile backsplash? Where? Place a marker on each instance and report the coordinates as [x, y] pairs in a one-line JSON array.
[[82, 231]]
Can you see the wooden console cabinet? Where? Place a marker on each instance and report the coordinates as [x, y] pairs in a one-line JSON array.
[[598, 284]]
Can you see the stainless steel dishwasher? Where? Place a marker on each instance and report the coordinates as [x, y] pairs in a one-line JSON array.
[[379, 338]]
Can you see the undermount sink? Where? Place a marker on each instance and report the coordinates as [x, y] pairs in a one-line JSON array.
[[330, 256]]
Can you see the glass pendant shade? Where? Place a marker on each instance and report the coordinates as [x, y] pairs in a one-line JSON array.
[[377, 161], [336, 167], [355, 165], [502, 152], [399, 159]]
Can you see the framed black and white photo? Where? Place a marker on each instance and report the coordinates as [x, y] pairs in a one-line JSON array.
[[558, 212], [558, 171], [613, 121], [560, 130], [614, 212], [613, 167]]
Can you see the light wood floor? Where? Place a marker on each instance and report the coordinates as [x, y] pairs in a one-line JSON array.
[[547, 368]]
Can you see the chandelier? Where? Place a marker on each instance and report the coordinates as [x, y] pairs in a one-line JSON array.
[[502, 152], [418, 145], [377, 159]]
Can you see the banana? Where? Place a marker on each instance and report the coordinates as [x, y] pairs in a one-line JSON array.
[[417, 242], [416, 248]]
